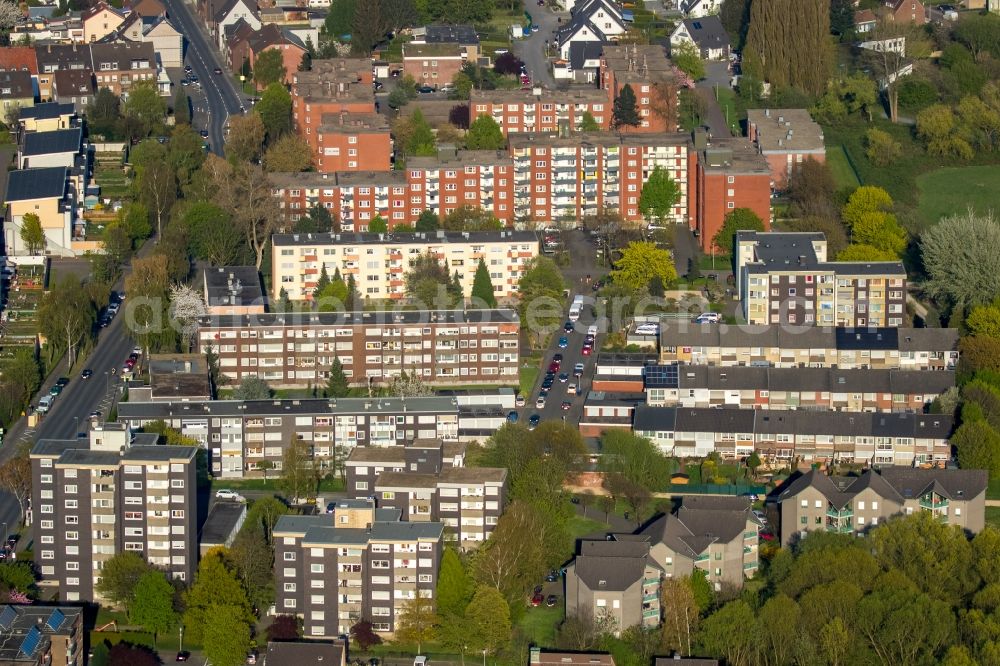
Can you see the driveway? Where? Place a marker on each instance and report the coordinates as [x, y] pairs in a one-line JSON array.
[[716, 74], [532, 49]]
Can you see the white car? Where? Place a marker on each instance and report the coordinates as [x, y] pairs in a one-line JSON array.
[[571, 389], [225, 493], [519, 401], [708, 318], [647, 329]]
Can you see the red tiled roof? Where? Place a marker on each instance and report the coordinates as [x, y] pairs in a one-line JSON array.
[[18, 58]]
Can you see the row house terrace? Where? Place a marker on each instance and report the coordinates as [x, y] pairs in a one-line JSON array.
[[289, 350], [809, 346], [379, 262], [561, 177], [242, 434], [822, 389], [783, 435]]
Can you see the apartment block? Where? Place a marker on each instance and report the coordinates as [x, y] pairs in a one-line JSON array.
[[351, 142], [655, 81], [785, 278], [795, 388], [333, 110], [786, 138], [541, 110], [240, 435], [811, 436], [854, 505], [427, 481], [730, 174], [379, 262], [358, 562], [441, 184], [296, 350], [561, 177], [120, 65], [809, 346], [616, 582], [434, 64], [123, 492], [41, 635], [717, 535]]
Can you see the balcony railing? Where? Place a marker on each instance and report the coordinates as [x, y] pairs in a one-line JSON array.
[[933, 503], [846, 512]]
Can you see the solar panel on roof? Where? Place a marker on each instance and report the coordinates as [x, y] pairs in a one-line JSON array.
[[661, 376], [55, 620], [7, 617], [30, 642]]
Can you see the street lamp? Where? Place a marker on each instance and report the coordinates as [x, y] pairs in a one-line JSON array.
[[484, 656], [180, 638]]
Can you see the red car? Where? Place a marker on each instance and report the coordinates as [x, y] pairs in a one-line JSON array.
[[586, 351], [554, 366], [537, 599], [766, 536]]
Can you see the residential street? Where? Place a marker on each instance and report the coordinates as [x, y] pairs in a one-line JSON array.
[[716, 74], [221, 96], [531, 49]]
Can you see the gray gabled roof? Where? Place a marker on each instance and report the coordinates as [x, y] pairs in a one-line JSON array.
[[581, 52], [892, 483], [44, 183], [50, 143], [707, 32], [612, 565]]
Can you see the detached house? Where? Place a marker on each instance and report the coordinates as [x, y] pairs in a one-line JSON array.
[[100, 21], [707, 35], [906, 11], [231, 11], [167, 41], [74, 87], [593, 21]]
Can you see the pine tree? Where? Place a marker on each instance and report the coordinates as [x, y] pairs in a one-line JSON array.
[[625, 112], [324, 280], [352, 293], [337, 385], [482, 286], [455, 289]]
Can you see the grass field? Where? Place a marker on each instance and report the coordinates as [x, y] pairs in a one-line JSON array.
[[952, 189], [993, 516], [539, 624], [841, 169]]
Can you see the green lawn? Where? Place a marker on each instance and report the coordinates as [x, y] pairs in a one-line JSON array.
[[730, 109], [527, 376], [539, 624], [993, 490], [578, 526], [951, 190], [993, 516], [841, 169]]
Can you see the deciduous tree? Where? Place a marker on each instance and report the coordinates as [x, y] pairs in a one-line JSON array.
[[269, 68], [66, 316], [288, 154], [226, 637], [246, 137], [488, 617], [485, 134], [417, 621], [641, 263], [15, 478], [880, 148], [363, 634], [739, 219], [153, 604], [957, 252], [688, 59], [32, 234], [120, 578], [275, 111], [659, 195]]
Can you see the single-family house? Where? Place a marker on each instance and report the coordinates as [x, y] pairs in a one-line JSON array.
[[229, 13], [272, 38], [17, 91], [707, 34], [58, 148], [906, 11], [699, 8], [167, 41], [598, 21], [47, 116], [148, 8], [865, 20], [45, 193], [237, 51], [100, 21]]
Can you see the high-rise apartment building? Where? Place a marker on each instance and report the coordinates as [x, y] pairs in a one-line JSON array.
[[117, 492]]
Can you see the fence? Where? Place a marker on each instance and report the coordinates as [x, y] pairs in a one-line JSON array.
[[716, 489]]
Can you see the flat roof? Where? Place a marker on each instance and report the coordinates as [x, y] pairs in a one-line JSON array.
[[786, 131], [223, 519], [417, 238], [372, 318], [290, 407], [776, 251], [233, 285]]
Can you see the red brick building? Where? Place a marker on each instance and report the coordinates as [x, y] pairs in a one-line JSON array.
[[786, 138], [906, 11], [539, 109], [730, 174], [654, 80], [433, 64], [271, 37], [351, 142]]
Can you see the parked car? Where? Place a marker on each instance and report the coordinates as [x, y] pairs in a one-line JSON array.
[[87, 372], [554, 366], [512, 416], [587, 349], [568, 327], [533, 421], [537, 599], [183, 655], [519, 401], [225, 493], [425, 89], [552, 576], [557, 358], [563, 342], [563, 377], [708, 318], [571, 389], [540, 403], [578, 370], [551, 600]]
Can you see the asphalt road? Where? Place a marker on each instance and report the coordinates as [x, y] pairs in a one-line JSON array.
[[531, 50], [221, 97], [583, 262]]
